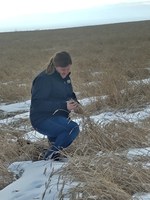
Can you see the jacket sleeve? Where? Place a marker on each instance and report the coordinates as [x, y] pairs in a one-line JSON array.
[[75, 97], [40, 101]]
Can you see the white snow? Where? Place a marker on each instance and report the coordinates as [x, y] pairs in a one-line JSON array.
[[35, 177], [21, 106], [138, 152], [107, 117]]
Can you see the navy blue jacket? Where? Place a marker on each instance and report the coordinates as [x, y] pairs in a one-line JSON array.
[[49, 94]]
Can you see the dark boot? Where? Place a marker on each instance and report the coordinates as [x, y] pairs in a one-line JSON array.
[[54, 155]]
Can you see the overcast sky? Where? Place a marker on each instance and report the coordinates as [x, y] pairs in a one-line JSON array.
[[48, 14]]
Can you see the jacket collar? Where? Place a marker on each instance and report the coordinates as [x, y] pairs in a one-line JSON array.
[[59, 76]]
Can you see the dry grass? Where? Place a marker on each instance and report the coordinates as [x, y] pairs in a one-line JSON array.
[[105, 59], [98, 162], [116, 136], [15, 148], [106, 177], [122, 49]]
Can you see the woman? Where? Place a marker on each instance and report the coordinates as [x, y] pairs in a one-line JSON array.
[[51, 102]]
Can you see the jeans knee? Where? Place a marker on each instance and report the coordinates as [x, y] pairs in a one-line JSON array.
[[74, 132]]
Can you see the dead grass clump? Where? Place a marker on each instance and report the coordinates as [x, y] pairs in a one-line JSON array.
[[111, 137], [137, 94], [10, 149], [106, 177], [113, 82], [120, 92], [6, 177], [95, 107], [31, 150], [15, 148], [8, 154]]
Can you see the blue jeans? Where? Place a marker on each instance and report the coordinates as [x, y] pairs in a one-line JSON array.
[[59, 130]]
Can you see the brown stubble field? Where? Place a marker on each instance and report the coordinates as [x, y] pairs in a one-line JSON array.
[[119, 52], [105, 59]]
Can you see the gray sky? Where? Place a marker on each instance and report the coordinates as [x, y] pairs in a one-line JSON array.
[[48, 14]]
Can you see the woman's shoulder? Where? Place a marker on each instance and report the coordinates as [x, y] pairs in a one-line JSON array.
[[42, 76]]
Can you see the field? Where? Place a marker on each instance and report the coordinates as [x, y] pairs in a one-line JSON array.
[[110, 63]]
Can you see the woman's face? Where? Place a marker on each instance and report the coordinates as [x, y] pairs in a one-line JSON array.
[[63, 71]]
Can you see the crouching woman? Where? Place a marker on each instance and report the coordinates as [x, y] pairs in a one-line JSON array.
[[52, 99]]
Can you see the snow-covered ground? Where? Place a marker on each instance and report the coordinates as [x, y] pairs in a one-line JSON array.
[[41, 179]]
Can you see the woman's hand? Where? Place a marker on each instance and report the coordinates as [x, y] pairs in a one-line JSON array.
[[71, 105]]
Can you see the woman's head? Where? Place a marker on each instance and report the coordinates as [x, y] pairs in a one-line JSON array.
[[62, 59], [62, 62]]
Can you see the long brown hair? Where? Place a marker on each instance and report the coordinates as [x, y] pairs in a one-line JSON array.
[[61, 59]]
